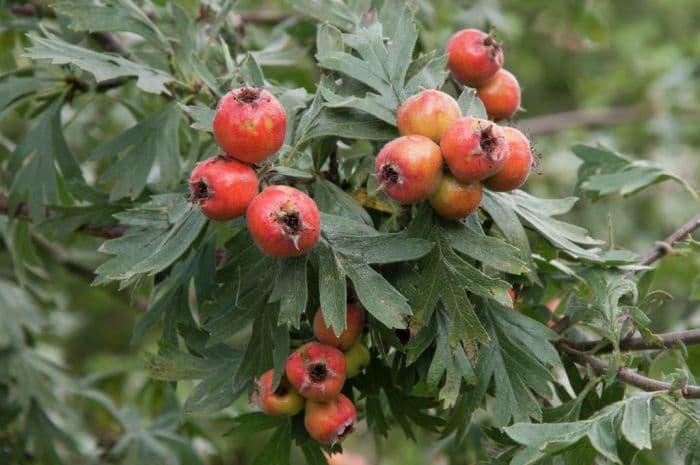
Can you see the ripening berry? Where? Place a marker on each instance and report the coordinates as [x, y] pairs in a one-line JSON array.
[[454, 199], [517, 166], [473, 56], [282, 401], [429, 113], [500, 95], [249, 124], [409, 168], [354, 320], [223, 187], [474, 149], [283, 221], [317, 371], [357, 358], [330, 422]]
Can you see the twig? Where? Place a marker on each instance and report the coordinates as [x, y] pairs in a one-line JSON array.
[[584, 118], [625, 374], [665, 246], [667, 341], [662, 248], [22, 212]]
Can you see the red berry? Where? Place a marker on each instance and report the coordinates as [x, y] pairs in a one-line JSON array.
[[249, 124], [473, 56], [283, 221], [409, 168], [317, 371], [474, 149], [454, 199], [517, 166], [357, 358], [429, 113], [223, 187], [330, 422], [283, 401], [500, 95], [354, 320]]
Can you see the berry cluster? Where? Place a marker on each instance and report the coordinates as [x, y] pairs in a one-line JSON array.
[[314, 376], [434, 133], [249, 126]]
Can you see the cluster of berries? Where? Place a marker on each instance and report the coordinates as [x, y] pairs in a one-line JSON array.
[[477, 152], [314, 376], [249, 126]]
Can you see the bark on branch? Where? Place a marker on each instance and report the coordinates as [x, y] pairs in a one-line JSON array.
[[668, 341], [625, 374]]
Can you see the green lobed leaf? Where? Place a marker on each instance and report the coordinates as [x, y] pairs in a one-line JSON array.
[[291, 290]]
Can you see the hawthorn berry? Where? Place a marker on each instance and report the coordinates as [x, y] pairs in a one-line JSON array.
[[285, 400], [249, 124], [409, 168], [429, 113], [317, 371], [330, 422], [474, 149], [473, 56], [357, 358], [500, 95], [517, 165], [354, 320], [223, 187], [454, 199], [283, 221]]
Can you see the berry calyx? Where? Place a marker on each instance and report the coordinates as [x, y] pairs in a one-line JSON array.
[[409, 168], [330, 422], [454, 199], [317, 371], [500, 95], [517, 166], [473, 56], [283, 221], [249, 124], [284, 400], [357, 358], [474, 149], [223, 187], [429, 113], [354, 320]]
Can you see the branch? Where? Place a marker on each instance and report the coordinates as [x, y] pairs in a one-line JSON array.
[[662, 248], [625, 374], [584, 118], [22, 212], [667, 341]]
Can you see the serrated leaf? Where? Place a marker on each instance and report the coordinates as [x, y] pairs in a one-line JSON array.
[[254, 422], [155, 138], [161, 231], [604, 172], [471, 104], [34, 165], [332, 199], [332, 288], [635, 422], [291, 290], [113, 17], [101, 65], [276, 451]]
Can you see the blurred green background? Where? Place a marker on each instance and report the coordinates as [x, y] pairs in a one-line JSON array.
[[638, 59]]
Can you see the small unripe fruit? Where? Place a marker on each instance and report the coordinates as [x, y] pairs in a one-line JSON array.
[[354, 320], [357, 358], [223, 187], [473, 56], [500, 95], [282, 401], [454, 199], [317, 371], [429, 113], [283, 221], [474, 149], [517, 165], [330, 422], [409, 168], [249, 124]]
